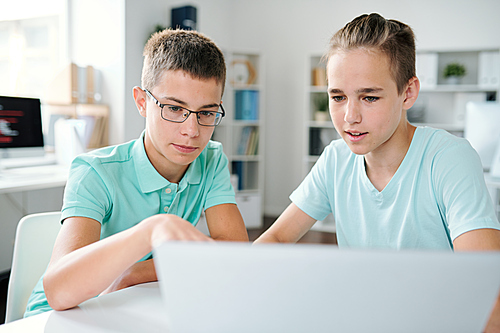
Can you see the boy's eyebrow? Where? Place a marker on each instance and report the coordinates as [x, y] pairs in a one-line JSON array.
[[368, 90], [173, 99], [359, 91], [335, 91]]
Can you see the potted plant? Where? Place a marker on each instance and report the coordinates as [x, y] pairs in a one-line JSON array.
[[321, 105], [453, 72]]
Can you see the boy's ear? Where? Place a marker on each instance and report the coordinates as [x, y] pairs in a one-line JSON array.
[[411, 93], [140, 100]]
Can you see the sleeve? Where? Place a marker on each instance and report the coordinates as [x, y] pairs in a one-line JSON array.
[[461, 191], [311, 196], [86, 193], [221, 191]]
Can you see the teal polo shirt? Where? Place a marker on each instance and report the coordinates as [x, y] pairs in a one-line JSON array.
[[119, 187]]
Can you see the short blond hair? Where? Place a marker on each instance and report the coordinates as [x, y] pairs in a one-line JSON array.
[[393, 38], [189, 51]]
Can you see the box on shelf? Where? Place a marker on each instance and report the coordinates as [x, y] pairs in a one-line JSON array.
[[95, 117], [74, 84]]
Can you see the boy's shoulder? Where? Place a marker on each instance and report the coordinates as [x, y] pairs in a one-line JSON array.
[[439, 138], [116, 153]]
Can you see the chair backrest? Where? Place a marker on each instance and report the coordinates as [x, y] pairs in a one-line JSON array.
[[35, 237]]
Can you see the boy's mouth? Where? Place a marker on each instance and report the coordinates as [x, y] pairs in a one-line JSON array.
[[184, 149], [356, 136]]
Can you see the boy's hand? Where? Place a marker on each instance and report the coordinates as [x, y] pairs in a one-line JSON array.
[[166, 227], [160, 228]]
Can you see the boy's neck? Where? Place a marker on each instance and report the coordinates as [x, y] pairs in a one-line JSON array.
[[381, 165]]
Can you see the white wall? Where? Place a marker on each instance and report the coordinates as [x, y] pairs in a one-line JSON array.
[[96, 37], [286, 32]]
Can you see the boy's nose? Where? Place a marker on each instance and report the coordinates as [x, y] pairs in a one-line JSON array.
[[352, 114], [190, 126]]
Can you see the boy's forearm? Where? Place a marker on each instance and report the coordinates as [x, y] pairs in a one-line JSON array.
[[138, 273], [86, 272], [493, 325], [267, 237]]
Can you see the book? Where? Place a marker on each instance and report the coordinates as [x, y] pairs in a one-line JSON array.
[[318, 77], [247, 105], [244, 139]]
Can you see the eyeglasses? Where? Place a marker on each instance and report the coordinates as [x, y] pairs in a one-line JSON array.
[[178, 114]]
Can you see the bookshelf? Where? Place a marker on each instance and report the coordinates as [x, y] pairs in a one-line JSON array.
[[441, 104], [242, 131], [318, 128]]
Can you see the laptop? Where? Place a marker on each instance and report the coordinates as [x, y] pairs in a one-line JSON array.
[[237, 287]]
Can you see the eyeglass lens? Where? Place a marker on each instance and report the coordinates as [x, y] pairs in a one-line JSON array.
[[179, 114]]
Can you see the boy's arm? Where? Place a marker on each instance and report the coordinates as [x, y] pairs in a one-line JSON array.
[[82, 267], [482, 240], [225, 223], [292, 224]]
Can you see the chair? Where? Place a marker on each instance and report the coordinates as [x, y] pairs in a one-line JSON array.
[[35, 237]]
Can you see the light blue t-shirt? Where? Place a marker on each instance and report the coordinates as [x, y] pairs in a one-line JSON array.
[[119, 187], [437, 194]]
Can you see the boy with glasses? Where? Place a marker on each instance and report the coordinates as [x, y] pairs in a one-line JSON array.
[[119, 201], [389, 184]]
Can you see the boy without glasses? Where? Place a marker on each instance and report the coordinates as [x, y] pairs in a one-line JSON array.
[[119, 201], [388, 183]]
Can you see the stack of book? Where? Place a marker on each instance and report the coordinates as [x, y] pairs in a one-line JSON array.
[[249, 141]]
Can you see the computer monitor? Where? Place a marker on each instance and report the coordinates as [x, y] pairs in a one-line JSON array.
[[20, 126], [482, 129]]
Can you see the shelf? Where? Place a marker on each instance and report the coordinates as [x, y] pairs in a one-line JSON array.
[[318, 89], [447, 127], [321, 124], [245, 158], [246, 123], [246, 87], [452, 88]]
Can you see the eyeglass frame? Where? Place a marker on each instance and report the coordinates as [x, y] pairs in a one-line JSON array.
[[223, 113]]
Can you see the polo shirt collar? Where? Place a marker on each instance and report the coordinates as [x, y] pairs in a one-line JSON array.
[[150, 180]]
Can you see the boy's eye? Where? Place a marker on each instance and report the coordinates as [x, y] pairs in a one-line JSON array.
[[371, 99], [337, 98], [174, 108], [207, 113]]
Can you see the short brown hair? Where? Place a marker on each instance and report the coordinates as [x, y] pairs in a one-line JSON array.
[[189, 51], [391, 37]]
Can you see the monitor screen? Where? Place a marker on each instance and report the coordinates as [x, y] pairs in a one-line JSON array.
[[20, 122], [482, 123]]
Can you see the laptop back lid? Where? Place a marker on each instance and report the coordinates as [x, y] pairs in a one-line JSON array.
[[235, 287]]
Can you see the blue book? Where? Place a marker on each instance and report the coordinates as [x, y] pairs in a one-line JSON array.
[[247, 105]]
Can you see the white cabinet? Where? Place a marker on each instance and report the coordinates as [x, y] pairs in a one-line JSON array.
[[242, 131]]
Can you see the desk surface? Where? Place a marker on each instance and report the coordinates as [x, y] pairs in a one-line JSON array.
[[33, 178], [135, 309]]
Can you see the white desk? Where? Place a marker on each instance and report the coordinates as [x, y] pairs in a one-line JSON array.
[[25, 191], [33, 178], [135, 309]]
